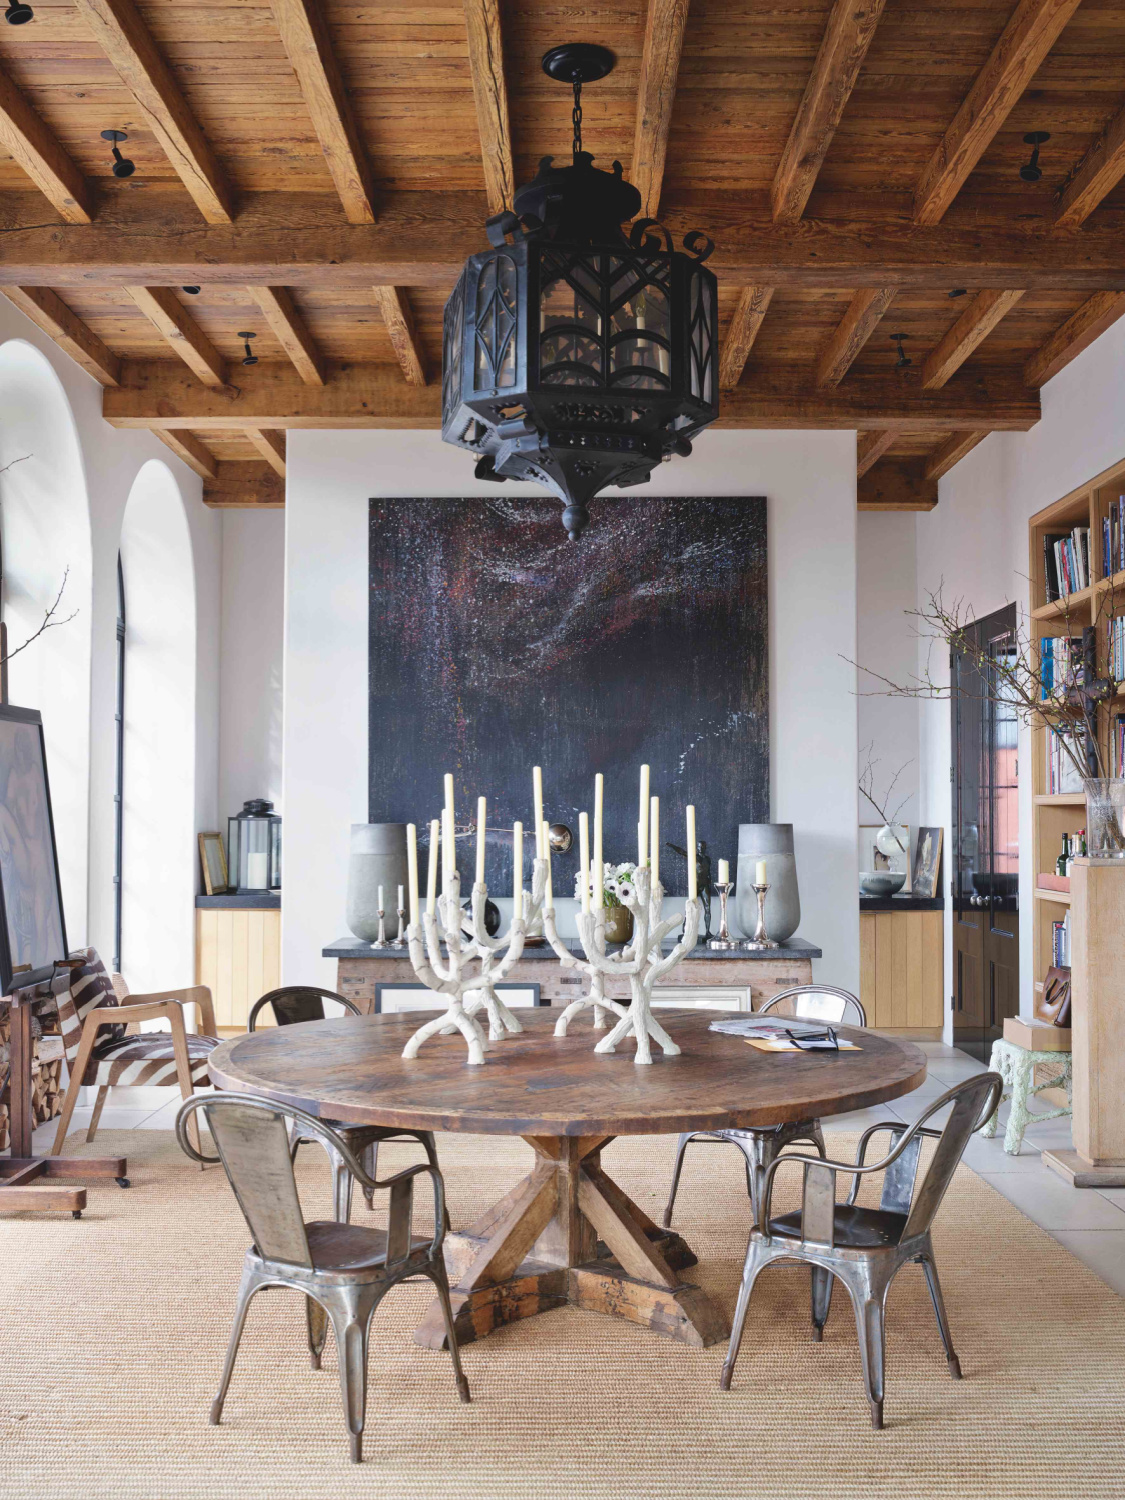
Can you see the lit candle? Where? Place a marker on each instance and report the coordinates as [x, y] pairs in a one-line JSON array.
[[760, 872], [642, 822], [482, 818], [431, 872], [548, 894], [654, 839], [691, 889], [584, 858], [537, 790], [724, 871], [412, 869], [599, 858], [381, 907], [517, 870]]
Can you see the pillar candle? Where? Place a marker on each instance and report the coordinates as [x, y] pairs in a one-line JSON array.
[[548, 894], [642, 835], [537, 790], [412, 869], [431, 872], [760, 872], [654, 839], [517, 870], [691, 887], [724, 871], [482, 818], [584, 858], [599, 857]]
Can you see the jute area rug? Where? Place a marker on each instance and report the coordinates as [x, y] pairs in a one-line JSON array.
[[114, 1328]]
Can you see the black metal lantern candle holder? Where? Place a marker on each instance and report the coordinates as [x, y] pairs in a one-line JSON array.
[[575, 356], [254, 847]]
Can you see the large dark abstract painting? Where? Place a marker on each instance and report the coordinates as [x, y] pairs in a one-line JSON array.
[[496, 645]]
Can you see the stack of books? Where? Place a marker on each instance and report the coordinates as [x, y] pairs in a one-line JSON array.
[[1066, 561], [1117, 746], [1060, 943], [1060, 664], [1113, 537], [1062, 774], [1115, 627]]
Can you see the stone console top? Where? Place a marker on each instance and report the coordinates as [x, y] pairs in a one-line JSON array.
[[352, 947]]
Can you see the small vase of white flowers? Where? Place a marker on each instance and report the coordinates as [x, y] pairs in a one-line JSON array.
[[616, 881]]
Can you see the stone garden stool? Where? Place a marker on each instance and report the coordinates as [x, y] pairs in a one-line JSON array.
[[1016, 1066]]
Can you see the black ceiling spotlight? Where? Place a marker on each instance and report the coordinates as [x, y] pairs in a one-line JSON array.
[[573, 355], [192, 291], [249, 359], [958, 291], [16, 14], [903, 359], [122, 167], [1032, 171]]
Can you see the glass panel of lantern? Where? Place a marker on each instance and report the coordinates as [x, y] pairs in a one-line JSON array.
[[570, 320], [454, 333], [702, 333], [641, 335], [496, 325]]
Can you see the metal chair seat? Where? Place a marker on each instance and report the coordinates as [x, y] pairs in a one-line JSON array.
[[353, 1248], [853, 1228]]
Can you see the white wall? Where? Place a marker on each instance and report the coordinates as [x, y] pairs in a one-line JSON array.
[[975, 545], [809, 479]]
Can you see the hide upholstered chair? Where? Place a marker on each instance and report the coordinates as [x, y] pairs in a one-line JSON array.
[[343, 1270], [865, 1248], [760, 1146], [291, 1005], [96, 1011]]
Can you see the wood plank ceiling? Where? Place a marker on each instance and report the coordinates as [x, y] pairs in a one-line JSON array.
[[319, 170]]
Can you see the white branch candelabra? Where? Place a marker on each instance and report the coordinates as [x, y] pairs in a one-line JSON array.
[[596, 996], [468, 993], [641, 962]]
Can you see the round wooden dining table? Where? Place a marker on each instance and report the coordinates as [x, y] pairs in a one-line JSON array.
[[566, 1233]]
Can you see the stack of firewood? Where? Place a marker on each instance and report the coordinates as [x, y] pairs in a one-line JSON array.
[[46, 1074]]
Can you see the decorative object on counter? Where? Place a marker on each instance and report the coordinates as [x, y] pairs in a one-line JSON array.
[[1105, 817], [765, 857], [400, 940], [1053, 1004], [560, 837], [491, 917], [724, 885], [254, 847], [377, 864], [213, 864], [927, 862], [761, 938], [891, 841], [615, 881], [703, 881], [882, 882]]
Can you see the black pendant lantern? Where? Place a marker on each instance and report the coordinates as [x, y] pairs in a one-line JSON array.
[[574, 356]]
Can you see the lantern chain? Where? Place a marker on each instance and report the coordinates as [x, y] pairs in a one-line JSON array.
[[576, 115]]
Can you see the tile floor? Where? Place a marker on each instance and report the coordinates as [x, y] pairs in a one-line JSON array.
[[1090, 1223]]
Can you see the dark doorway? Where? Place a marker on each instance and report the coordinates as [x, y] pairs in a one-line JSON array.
[[985, 884]]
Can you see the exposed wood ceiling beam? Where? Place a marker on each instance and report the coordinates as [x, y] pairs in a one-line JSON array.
[[490, 93], [1028, 37], [187, 446], [304, 34], [394, 304], [749, 314], [244, 485], [855, 328], [1096, 314], [897, 484], [33, 147], [870, 448], [300, 239], [970, 330], [289, 328], [160, 305], [1099, 171], [271, 394], [951, 452], [656, 98], [270, 443], [48, 311], [128, 44], [847, 37]]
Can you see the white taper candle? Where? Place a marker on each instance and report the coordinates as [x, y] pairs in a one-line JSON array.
[[431, 872], [482, 819], [642, 821], [654, 839], [548, 894], [724, 871], [599, 857], [537, 793], [584, 858], [691, 886], [517, 871], [380, 907], [449, 850], [412, 869]]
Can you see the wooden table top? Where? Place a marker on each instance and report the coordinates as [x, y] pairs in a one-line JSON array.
[[539, 1084]]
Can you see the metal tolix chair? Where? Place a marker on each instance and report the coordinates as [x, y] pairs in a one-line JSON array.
[[292, 1005], [865, 1248], [761, 1145], [343, 1270]]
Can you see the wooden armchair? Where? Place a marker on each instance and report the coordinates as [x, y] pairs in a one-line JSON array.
[[98, 1018]]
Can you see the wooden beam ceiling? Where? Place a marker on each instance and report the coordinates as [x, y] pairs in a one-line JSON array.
[[185, 337], [968, 333], [1098, 173], [197, 457], [238, 485], [660, 64], [490, 94], [951, 452], [28, 141], [270, 443], [896, 484], [864, 313], [289, 328], [49, 312], [304, 34], [870, 448], [394, 304], [745, 325], [851, 26], [1096, 314], [127, 43], [1034, 28]]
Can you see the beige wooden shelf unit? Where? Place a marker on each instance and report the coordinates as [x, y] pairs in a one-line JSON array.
[[238, 957], [902, 971]]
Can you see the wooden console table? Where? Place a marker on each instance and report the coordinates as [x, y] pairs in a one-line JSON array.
[[359, 968]]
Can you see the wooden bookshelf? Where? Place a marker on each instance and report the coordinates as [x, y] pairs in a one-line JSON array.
[[1059, 813]]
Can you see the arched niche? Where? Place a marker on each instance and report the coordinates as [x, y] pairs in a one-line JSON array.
[[45, 534], [159, 850]]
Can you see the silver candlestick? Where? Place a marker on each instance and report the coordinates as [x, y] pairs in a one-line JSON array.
[[400, 941], [381, 940], [724, 939], [760, 940]]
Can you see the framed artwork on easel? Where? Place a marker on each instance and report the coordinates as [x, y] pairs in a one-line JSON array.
[[32, 926]]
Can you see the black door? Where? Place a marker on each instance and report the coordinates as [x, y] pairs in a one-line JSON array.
[[985, 882]]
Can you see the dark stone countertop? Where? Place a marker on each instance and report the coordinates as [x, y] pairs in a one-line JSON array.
[[796, 947], [901, 903], [247, 900]]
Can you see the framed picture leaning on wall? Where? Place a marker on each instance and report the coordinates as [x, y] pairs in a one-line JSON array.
[[927, 862], [32, 929]]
